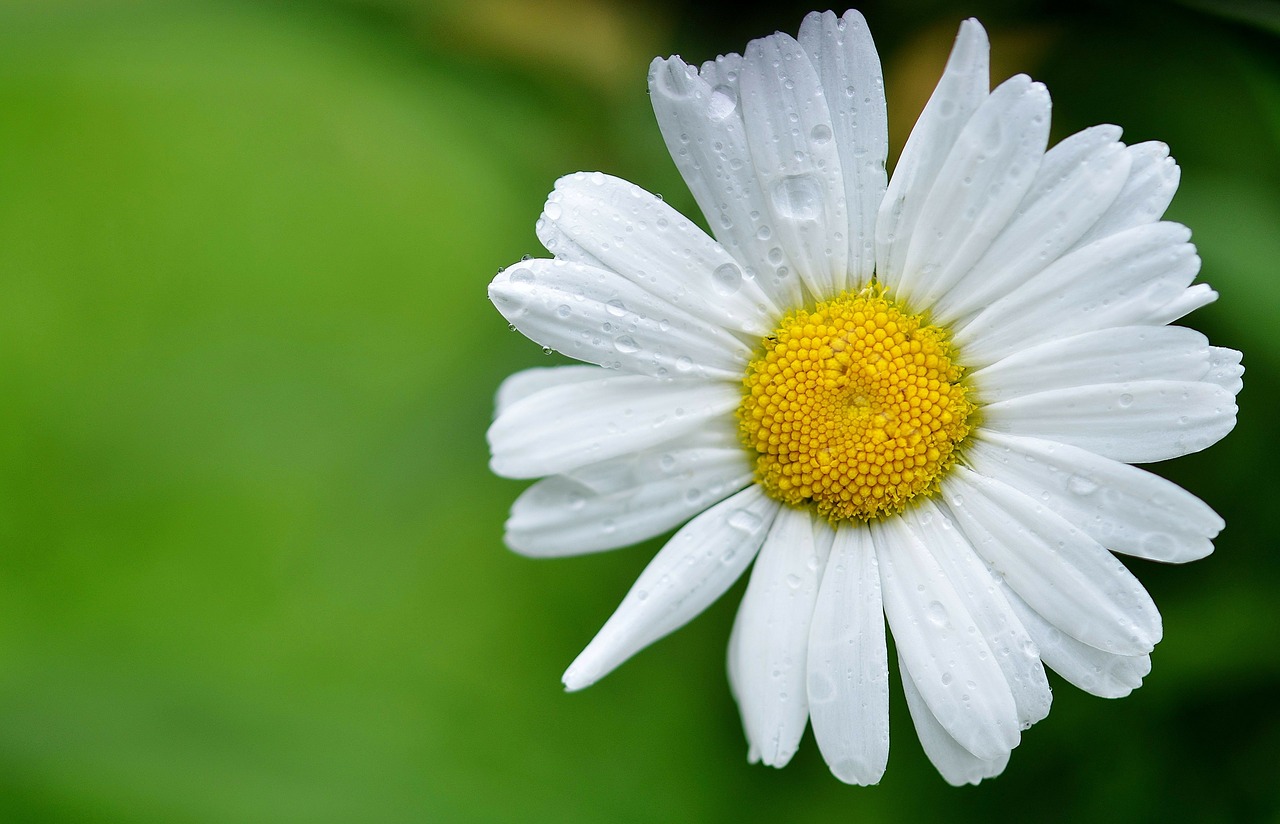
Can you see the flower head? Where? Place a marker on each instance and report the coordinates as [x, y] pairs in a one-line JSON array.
[[915, 399]]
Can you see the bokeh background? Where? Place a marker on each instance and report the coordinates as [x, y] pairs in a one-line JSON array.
[[251, 566]]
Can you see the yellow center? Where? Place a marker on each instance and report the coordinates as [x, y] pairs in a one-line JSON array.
[[854, 408]]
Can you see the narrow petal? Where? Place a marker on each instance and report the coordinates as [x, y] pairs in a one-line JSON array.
[[1183, 303], [796, 162], [696, 566], [598, 317], [1122, 507], [771, 636], [630, 498], [1014, 651], [701, 121], [565, 427], [957, 765], [1122, 280], [1136, 422], [528, 382], [948, 659], [1148, 190], [848, 683], [1117, 355], [1061, 572], [1099, 673], [1077, 179], [983, 180], [652, 245], [964, 85], [849, 69]]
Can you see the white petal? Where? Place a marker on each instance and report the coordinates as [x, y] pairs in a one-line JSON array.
[[696, 566], [1153, 179], [1099, 673], [558, 242], [652, 245], [946, 656], [771, 634], [1122, 280], [1122, 507], [1116, 355], [1058, 570], [984, 178], [1225, 369], [957, 765], [848, 683], [575, 424], [528, 382], [964, 85], [849, 69], [796, 161], [1184, 303], [1136, 422], [597, 316], [701, 121], [1077, 179], [630, 498], [977, 587]]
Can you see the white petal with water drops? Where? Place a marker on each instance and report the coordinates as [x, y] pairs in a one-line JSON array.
[[1095, 671], [655, 247], [696, 566], [985, 176], [1122, 507], [771, 632], [571, 425], [1060, 571], [630, 498], [964, 85], [956, 764], [848, 682], [947, 657], [849, 69], [1136, 422], [598, 316], [796, 162], [1153, 179]]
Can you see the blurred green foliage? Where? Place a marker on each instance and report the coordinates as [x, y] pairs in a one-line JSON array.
[[250, 553]]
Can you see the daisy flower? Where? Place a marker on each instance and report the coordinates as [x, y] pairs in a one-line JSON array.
[[916, 400]]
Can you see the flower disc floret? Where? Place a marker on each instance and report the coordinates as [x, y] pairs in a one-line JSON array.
[[854, 408]]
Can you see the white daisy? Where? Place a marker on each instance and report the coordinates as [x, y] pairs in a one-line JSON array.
[[915, 400]]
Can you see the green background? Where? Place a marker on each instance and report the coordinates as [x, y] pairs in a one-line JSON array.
[[250, 553]]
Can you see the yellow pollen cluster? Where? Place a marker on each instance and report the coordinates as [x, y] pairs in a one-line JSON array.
[[854, 408]]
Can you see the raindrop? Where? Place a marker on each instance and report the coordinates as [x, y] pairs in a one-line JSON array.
[[1080, 485], [1126, 399], [798, 197], [563, 311], [552, 211], [522, 276], [626, 344], [744, 520], [937, 614], [820, 134], [723, 102], [616, 308], [727, 279]]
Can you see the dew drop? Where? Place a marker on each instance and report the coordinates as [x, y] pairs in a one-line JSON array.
[[1080, 485], [937, 614], [820, 134], [563, 311], [744, 520], [522, 275], [723, 102], [1126, 400], [727, 279], [626, 344], [615, 308], [798, 197]]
